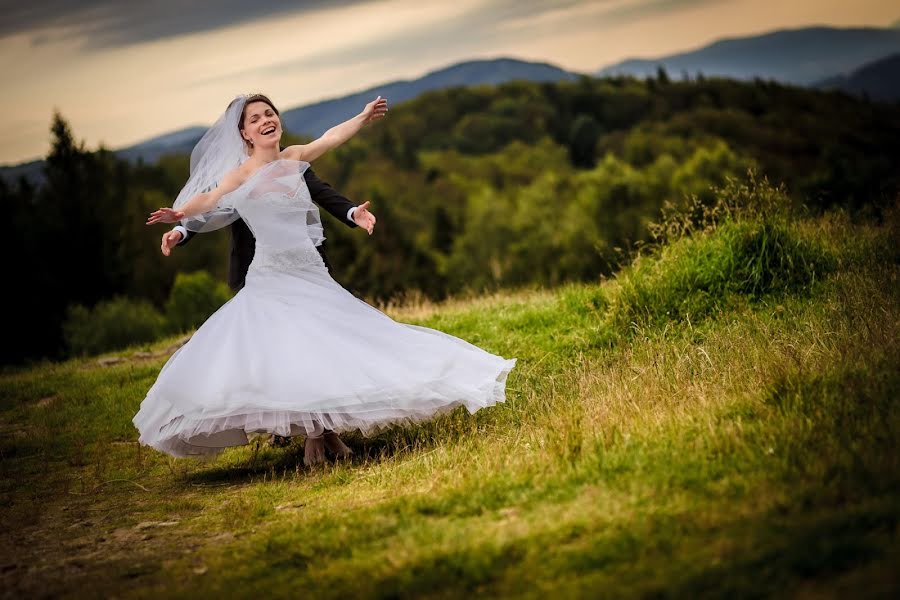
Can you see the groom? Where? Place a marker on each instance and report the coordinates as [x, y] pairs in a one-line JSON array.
[[243, 248]]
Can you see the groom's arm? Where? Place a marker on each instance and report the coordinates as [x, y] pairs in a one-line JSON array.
[[325, 196], [185, 235], [173, 238]]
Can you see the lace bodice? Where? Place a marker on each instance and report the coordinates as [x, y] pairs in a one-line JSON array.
[[285, 261], [276, 205]]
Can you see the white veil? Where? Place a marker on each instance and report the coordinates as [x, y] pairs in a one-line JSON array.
[[220, 150]]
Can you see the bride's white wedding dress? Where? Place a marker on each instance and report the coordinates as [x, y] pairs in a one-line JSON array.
[[293, 352]]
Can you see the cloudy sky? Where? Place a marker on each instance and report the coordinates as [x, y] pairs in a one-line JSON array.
[[120, 72]]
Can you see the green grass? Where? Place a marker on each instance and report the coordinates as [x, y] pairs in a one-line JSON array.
[[660, 438], [697, 276]]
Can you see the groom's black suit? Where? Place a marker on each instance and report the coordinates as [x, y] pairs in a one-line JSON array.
[[243, 244]]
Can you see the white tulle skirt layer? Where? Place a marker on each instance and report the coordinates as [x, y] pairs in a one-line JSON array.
[[293, 354]]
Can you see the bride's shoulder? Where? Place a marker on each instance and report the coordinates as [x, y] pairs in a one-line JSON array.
[[235, 177], [291, 153]]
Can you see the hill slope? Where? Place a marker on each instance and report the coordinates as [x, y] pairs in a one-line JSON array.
[[684, 457]]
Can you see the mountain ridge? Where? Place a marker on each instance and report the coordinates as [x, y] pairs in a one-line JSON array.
[[314, 119], [802, 56], [878, 80]]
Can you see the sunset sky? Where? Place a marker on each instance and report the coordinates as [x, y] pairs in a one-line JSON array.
[[120, 73]]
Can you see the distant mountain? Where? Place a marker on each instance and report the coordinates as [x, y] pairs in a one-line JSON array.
[[879, 80], [32, 170], [798, 56], [315, 119], [150, 150]]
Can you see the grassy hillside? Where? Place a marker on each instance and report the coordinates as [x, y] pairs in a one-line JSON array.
[[720, 418]]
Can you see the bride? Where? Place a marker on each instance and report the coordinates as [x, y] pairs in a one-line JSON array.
[[294, 353]]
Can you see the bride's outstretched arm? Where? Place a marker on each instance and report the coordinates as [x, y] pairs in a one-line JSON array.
[[199, 204], [338, 134]]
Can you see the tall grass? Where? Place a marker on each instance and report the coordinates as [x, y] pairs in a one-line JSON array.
[[743, 247]]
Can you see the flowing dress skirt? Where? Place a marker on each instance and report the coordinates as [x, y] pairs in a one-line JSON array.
[[295, 353]]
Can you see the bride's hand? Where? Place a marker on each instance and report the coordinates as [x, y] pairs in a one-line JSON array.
[[165, 215], [375, 109]]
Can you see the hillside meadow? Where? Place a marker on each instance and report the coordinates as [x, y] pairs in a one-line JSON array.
[[718, 418]]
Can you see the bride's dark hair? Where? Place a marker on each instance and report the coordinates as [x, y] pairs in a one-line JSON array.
[[255, 98]]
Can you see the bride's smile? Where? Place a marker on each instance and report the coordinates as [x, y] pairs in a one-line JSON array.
[[261, 126]]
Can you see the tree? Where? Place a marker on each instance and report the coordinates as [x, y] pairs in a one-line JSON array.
[[662, 76], [583, 141]]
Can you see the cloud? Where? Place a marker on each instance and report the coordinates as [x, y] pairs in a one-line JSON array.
[[112, 23], [653, 8], [103, 24], [598, 12]]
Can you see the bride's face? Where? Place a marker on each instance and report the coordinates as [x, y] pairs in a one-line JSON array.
[[261, 125]]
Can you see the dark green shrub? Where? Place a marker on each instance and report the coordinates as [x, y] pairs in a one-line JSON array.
[[111, 325], [194, 297]]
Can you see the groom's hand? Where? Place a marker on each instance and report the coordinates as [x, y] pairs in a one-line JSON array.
[[170, 239], [363, 218]]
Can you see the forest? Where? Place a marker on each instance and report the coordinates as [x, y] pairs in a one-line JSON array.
[[522, 185]]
